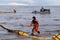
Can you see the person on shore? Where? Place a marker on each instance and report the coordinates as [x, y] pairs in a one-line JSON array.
[[35, 25]]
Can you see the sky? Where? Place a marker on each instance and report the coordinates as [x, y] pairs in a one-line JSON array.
[[30, 2]]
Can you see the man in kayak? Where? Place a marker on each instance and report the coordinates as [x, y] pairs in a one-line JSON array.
[[34, 23]]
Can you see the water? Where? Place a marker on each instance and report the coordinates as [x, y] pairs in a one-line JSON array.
[[21, 20]]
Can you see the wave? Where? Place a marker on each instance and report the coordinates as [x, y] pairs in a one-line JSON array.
[[52, 32], [50, 25]]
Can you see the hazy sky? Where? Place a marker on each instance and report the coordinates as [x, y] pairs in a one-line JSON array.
[[30, 2]]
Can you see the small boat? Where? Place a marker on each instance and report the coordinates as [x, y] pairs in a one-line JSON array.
[[42, 11], [35, 12], [2, 12]]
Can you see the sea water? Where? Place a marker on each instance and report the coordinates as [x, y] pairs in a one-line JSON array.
[[49, 24]]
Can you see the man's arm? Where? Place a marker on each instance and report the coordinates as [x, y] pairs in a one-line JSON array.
[[30, 24]]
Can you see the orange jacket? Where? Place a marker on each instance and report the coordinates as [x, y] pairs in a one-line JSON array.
[[36, 25]]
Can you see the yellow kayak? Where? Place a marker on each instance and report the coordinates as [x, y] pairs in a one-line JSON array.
[[56, 37], [27, 35], [21, 33]]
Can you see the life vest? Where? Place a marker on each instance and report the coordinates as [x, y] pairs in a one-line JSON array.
[[35, 23]]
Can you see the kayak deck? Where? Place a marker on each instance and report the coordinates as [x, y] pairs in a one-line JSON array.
[[31, 36]]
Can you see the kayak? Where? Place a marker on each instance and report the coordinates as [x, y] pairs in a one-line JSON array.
[[21, 33], [56, 37]]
